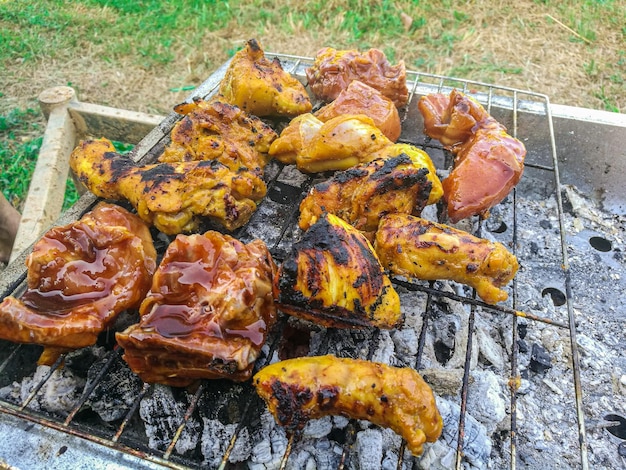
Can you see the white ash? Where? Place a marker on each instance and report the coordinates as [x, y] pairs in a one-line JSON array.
[[162, 415], [369, 448], [60, 394], [486, 400], [216, 438], [318, 428]]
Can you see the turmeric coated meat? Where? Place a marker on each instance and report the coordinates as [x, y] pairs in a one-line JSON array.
[[298, 390], [333, 277], [489, 162], [80, 277], [213, 130], [207, 314], [261, 87], [174, 197], [362, 194], [414, 247]]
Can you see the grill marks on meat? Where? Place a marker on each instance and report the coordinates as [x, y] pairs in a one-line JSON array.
[[362, 194], [261, 87], [333, 277], [414, 247], [213, 130], [80, 277], [297, 390], [489, 162], [333, 70], [208, 313], [174, 197]]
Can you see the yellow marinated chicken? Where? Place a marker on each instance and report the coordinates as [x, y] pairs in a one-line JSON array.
[[362, 194], [360, 98], [333, 277], [80, 277], [213, 130], [174, 197], [414, 247], [261, 87], [338, 144], [297, 390], [421, 160]]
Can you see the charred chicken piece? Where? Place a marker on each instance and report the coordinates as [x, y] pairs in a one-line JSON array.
[[489, 162], [207, 314], [421, 160], [332, 277], [360, 98], [363, 194], [80, 277], [414, 247], [261, 87], [333, 70], [174, 197], [213, 130], [297, 390], [340, 143]]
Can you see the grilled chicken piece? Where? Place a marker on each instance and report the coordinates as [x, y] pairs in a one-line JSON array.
[[420, 159], [413, 247], [207, 314], [360, 98], [171, 196], [489, 162], [297, 390], [213, 130], [80, 277], [333, 70], [340, 143], [363, 194], [261, 87], [332, 277]]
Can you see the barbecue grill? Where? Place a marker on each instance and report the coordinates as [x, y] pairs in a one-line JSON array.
[[547, 353]]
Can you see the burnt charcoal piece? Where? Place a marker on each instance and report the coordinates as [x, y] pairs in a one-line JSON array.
[[114, 395], [522, 346], [540, 360]]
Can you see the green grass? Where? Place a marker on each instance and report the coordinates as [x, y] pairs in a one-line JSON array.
[[155, 34]]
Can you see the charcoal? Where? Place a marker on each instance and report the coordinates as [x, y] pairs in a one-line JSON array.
[[540, 360], [369, 447], [216, 438], [116, 391]]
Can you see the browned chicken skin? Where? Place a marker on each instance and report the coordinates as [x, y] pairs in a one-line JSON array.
[[300, 389], [360, 98], [362, 194], [340, 143], [208, 313], [489, 162], [213, 130], [333, 70], [261, 87], [174, 197], [333, 277], [414, 247], [80, 277]]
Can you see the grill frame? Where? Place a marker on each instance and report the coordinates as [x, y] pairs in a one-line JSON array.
[[510, 101]]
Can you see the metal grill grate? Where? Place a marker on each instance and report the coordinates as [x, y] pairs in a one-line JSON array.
[[526, 115]]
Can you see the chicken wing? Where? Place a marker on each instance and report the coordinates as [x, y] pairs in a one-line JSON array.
[[489, 162], [333, 277], [213, 130], [359, 98], [297, 390], [80, 277], [333, 70], [261, 87], [340, 143], [174, 197], [363, 194], [414, 247], [207, 314]]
